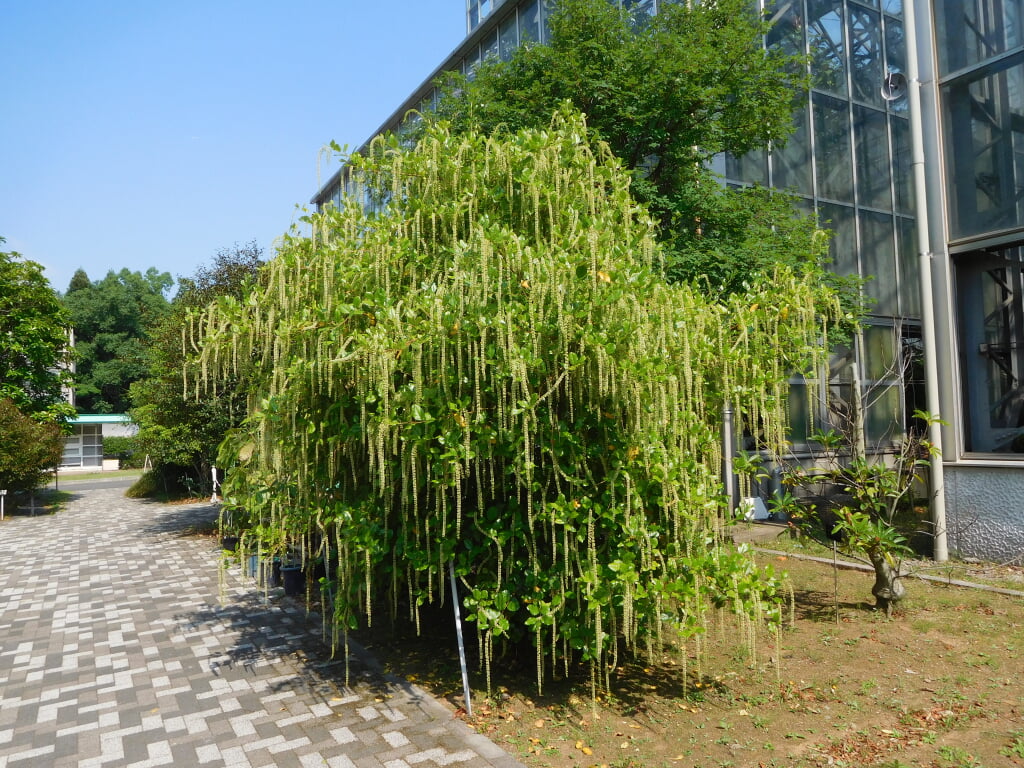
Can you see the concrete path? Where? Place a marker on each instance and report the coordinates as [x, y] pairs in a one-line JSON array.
[[118, 647]]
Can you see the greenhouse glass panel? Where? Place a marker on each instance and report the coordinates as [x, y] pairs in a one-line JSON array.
[[878, 260], [791, 165], [866, 55], [874, 171], [827, 48], [843, 245], [832, 148]]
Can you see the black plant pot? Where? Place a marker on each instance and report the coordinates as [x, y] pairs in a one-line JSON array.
[[229, 543], [275, 574], [292, 577]]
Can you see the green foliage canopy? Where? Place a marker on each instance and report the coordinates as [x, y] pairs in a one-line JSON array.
[[112, 319], [28, 448], [34, 340], [179, 433], [486, 368], [667, 93]]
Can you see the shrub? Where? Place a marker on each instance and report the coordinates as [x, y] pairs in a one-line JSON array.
[[29, 449], [146, 486], [125, 449]]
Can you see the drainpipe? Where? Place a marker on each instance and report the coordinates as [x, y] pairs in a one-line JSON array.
[[925, 255]]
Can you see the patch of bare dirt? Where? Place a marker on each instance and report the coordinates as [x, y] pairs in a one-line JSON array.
[[938, 686]]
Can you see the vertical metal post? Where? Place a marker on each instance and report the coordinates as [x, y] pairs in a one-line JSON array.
[[728, 453], [835, 578], [938, 488], [462, 645], [213, 471], [2, 494]]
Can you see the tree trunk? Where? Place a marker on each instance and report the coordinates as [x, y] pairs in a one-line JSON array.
[[888, 589]]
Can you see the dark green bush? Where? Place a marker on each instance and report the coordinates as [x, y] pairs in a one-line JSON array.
[[28, 449], [126, 449], [148, 485], [165, 482]]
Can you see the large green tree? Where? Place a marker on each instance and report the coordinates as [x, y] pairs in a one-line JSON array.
[[667, 93], [34, 338], [112, 319], [490, 371], [34, 370], [179, 432]]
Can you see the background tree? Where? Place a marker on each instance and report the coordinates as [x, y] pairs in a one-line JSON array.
[[79, 280], [181, 434], [34, 369], [34, 341], [113, 318], [667, 93]]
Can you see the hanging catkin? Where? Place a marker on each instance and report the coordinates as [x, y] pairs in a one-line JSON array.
[[476, 361]]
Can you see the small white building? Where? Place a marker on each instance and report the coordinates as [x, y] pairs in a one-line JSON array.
[[83, 448]]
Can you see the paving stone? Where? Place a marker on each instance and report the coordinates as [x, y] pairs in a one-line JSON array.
[[125, 644]]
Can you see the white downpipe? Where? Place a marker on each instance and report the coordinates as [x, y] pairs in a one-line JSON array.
[[938, 487]]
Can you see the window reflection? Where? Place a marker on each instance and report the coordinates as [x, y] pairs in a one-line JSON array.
[[640, 11], [791, 165], [832, 148], [825, 38], [984, 126], [529, 22], [477, 11], [874, 171], [751, 168], [990, 291], [883, 420], [878, 260], [909, 266], [866, 54], [638, 7], [786, 32], [972, 31], [471, 62], [894, 7], [843, 246], [489, 46], [879, 352], [798, 405], [901, 161], [508, 37]]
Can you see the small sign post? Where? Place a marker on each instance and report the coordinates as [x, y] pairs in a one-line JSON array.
[[214, 499]]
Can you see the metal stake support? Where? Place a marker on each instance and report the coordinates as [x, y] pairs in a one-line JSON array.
[[462, 645]]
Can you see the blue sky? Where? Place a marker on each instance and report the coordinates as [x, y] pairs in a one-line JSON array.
[[151, 133]]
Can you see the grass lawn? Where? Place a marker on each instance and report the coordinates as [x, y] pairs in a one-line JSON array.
[[70, 477]]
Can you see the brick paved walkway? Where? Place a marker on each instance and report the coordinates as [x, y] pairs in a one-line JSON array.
[[116, 651]]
